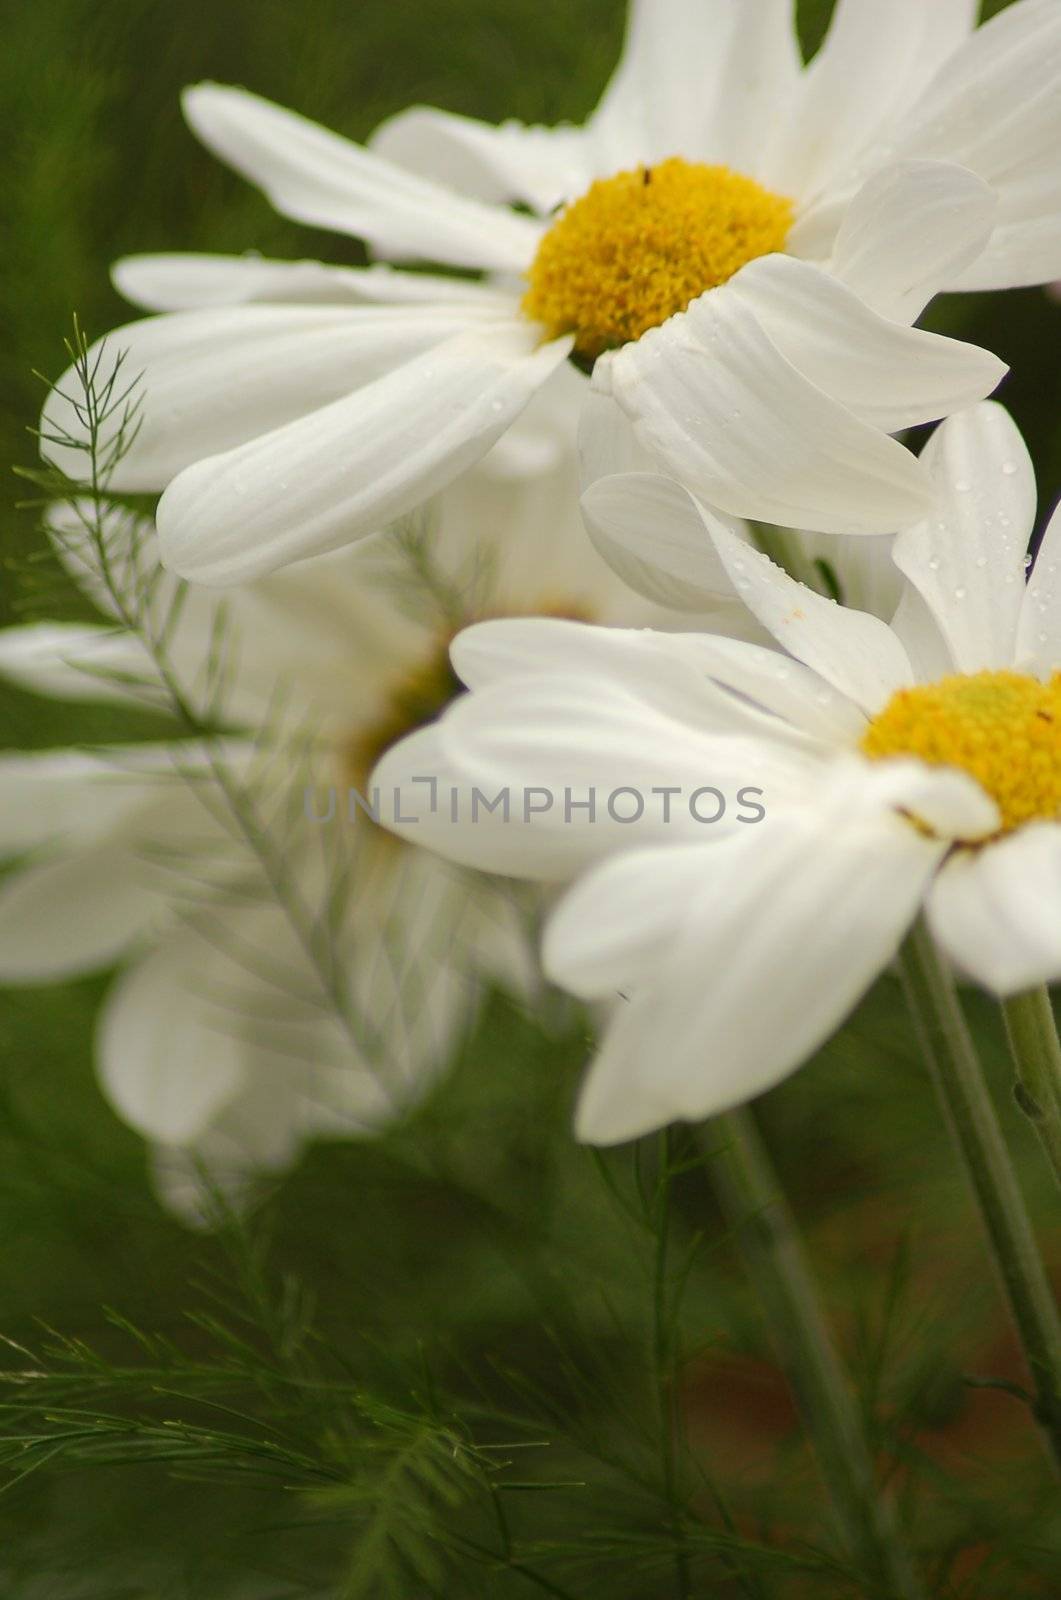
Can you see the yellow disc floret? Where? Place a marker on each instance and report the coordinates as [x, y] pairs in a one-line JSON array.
[[1003, 728], [639, 247]]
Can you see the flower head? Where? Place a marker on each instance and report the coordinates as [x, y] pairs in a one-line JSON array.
[[220, 1040], [898, 766], [744, 245]]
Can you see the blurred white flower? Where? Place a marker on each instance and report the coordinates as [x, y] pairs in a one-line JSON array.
[[917, 765], [220, 1041], [745, 245]]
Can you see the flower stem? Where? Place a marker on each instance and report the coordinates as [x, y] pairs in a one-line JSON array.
[[1036, 1052], [751, 1197], [951, 1054]]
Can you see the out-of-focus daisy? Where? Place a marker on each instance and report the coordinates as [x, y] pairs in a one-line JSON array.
[[917, 765], [220, 1040], [736, 244]]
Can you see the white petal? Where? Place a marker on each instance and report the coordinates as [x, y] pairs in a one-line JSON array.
[[967, 560], [732, 418], [76, 796], [785, 687], [189, 282], [948, 800], [914, 624], [164, 1061], [75, 914], [208, 381], [651, 532], [607, 443], [771, 955], [318, 178], [1009, 65], [541, 166], [860, 571], [873, 60], [349, 468], [75, 661], [855, 652], [619, 921], [889, 375], [757, 71], [1039, 627], [679, 43], [911, 230], [1020, 254], [551, 742], [995, 910], [674, 672]]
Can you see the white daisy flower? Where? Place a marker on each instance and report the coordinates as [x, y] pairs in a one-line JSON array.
[[742, 245], [900, 768], [217, 1041]]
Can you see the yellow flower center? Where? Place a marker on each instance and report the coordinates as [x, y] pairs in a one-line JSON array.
[[1003, 728], [637, 248]]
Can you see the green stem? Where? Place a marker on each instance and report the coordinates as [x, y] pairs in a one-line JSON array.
[[666, 1367], [1036, 1052], [951, 1054], [751, 1197]]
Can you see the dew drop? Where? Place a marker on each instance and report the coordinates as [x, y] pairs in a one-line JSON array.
[[1009, 469]]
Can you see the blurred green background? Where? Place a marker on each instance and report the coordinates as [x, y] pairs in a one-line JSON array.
[[477, 1248]]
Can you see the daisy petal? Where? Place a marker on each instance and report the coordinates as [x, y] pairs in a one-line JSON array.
[[575, 755], [339, 473], [675, 672], [190, 282], [707, 1029], [1039, 629], [326, 181], [715, 399], [607, 444], [620, 920], [72, 915], [914, 624], [757, 72], [51, 794], [889, 375], [855, 652], [498, 164], [676, 42], [165, 1061], [1011, 64], [995, 910], [874, 59], [967, 561], [911, 230], [651, 532], [76, 661], [207, 381]]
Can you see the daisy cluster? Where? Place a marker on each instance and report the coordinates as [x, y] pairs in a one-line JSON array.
[[596, 482]]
